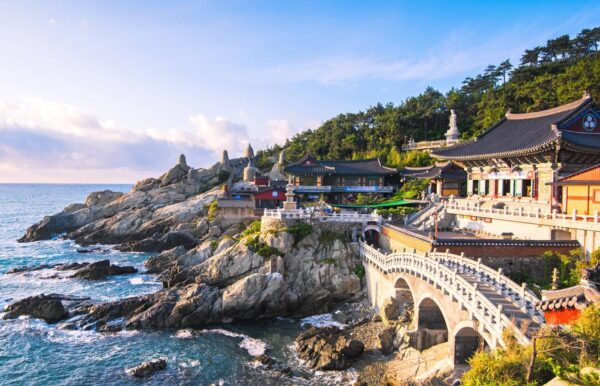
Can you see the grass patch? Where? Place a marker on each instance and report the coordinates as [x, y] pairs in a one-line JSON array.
[[252, 230], [262, 249], [328, 260], [213, 246], [359, 271], [299, 230], [211, 210]]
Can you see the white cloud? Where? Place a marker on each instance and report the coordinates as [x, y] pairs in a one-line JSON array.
[[52, 22], [53, 140], [279, 131]]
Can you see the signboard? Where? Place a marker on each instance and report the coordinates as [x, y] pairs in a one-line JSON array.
[[504, 175]]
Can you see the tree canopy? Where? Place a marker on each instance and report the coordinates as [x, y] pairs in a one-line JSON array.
[[547, 76]]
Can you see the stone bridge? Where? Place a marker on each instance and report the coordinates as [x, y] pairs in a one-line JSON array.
[[455, 299]]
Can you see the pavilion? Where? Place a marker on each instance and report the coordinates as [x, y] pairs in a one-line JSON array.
[[522, 155]]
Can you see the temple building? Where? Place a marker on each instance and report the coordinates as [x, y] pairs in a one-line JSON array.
[[339, 181], [446, 178], [581, 191], [523, 155]]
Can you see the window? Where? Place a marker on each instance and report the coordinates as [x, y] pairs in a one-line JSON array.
[[518, 188], [475, 186], [527, 188], [490, 187], [482, 184], [506, 187], [351, 181]]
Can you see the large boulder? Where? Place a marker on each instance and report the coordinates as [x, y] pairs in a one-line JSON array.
[[101, 269], [46, 307], [159, 242], [164, 260], [328, 348], [177, 173], [390, 310], [386, 338], [101, 198], [148, 368]]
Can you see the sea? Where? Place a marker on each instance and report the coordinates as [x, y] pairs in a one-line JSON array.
[[33, 352]]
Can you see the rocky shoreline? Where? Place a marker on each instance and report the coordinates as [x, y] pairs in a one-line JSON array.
[[214, 270]]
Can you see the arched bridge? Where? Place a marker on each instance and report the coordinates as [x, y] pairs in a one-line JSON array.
[[455, 299]]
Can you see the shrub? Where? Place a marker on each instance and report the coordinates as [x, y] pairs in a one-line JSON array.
[[328, 260], [500, 367], [223, 176], [252, 229], [262, 249], [213, 246], [212, 210], [359, 271], [299, 230]]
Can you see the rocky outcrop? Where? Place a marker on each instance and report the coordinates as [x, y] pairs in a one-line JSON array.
[[328, 348], [101, 269], [101, 198], [233, 279], [47, 307], [390, 310], [148, 368], [153, 206]]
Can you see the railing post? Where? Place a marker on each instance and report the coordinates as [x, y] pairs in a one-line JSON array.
[[554, 214], [574, 214], [595, 216], [499, 315]]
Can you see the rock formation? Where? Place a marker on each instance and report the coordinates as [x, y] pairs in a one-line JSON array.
[[148, 368], [328, 348], [249, 152], [152, 209], [101, 269], [47, 307]]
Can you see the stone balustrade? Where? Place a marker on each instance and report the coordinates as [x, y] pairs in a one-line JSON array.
[[446, 271], [307, 214], [525, 214]]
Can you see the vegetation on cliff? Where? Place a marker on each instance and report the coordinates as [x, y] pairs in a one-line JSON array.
[[546, 76], [561, 353]]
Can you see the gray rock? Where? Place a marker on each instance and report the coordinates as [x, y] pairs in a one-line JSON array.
[[47, 307], [386, 338], [101, 269], [328, 348], [101, 198], [146, 369], [390, 310]]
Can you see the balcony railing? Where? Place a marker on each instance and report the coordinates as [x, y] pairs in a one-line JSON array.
[[343, 189], [364, 189], [526, 214]]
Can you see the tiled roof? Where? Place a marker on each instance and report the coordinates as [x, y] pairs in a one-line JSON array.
[[445, 170], [587, 176], [578, 297], [518, 134], [310, 165]]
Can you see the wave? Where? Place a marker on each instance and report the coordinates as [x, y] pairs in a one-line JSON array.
[[253, 346], [322, 320]]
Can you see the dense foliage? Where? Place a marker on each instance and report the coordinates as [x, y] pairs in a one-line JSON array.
[[559, 352], [547, 76]]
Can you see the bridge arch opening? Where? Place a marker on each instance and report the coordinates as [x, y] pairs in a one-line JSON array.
[[372, 237], [432, 328], [404, 298], [467, 342]]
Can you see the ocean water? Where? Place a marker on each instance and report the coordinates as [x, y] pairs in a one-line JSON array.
[[35, 353]]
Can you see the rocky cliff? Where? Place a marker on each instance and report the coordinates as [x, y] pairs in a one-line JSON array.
[[238, 275], [212, 269]]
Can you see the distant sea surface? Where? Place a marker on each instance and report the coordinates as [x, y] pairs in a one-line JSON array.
[[35, 353]]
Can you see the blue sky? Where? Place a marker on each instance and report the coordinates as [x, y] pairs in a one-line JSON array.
[[113, 91]]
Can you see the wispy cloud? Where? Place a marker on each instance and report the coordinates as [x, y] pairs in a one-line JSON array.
[[52, 138]]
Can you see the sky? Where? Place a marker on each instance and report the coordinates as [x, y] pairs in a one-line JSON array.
[[114, 91]]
